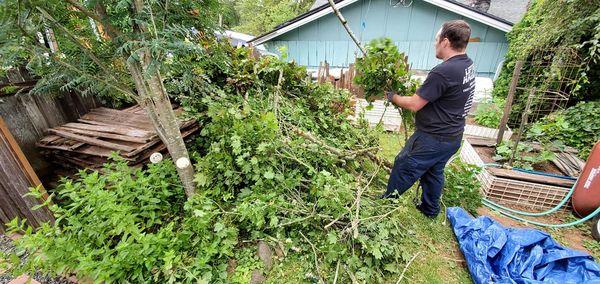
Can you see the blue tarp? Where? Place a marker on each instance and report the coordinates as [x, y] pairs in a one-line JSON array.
[[496, 254]]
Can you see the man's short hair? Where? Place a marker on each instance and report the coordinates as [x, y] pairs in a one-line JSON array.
[[457, 32]]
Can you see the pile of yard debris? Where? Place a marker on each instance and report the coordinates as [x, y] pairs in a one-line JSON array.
[[277, 162]]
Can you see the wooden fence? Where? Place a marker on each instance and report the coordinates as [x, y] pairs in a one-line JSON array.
[[343, 81], [16, 177], [28, 116], [24, 119]]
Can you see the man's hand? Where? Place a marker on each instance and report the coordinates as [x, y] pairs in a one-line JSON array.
[[413, 103], [389, 95]]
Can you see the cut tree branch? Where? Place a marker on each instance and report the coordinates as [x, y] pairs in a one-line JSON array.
[[316, 258], [94, 16], [358, 195], [386, 164], [345, 24], [345, 155], [406, 267]]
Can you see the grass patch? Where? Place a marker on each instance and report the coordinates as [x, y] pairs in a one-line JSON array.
[[440, 260], [391, 143], [593, 246]]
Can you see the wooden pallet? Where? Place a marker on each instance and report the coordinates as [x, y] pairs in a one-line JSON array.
[[89, 142], [527, 190], [485, 132]]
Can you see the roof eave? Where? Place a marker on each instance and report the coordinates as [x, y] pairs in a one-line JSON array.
[[453, 6], [316, 13], [473, 14]]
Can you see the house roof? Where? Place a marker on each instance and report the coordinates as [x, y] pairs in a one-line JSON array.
[[325, 9], [318, 3], [510, 10]]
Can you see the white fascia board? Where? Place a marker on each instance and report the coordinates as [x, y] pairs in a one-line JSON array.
[[302, 22], [440, 3], [471, 14]]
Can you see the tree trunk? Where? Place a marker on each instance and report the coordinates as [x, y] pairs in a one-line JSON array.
[[152, 96]]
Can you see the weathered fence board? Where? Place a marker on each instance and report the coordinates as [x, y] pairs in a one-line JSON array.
[[28, 116], [16, 177]]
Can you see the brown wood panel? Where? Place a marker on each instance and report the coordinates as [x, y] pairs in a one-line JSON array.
[[9, 209], [105, 135], [120, 117], [90, 150], [122, 130], [15, 186], [3, 220], [91, 141], [16, 177]]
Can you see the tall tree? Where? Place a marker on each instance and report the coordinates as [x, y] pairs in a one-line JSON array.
[[260, 16], [110, 47], [229, 16]]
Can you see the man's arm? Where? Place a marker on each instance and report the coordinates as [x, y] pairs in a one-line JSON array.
[[432, 89], [413, 103]]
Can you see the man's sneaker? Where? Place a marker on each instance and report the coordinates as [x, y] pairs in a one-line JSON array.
[[420, 208]]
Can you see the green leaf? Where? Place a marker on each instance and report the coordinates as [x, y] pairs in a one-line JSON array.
[[269, 175]]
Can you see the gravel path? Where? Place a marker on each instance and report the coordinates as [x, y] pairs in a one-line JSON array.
[[6, 245]]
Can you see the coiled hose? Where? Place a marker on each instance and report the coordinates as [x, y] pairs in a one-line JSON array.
[[507, 211]]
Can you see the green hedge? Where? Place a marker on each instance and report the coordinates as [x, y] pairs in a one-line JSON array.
[[577, 126], [548, 25]]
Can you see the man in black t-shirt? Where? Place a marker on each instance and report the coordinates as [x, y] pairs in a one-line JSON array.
[[441, 105]]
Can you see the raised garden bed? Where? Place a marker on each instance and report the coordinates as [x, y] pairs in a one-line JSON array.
[[507, 186]]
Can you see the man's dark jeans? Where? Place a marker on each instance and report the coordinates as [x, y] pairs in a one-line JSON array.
[[424, 157]]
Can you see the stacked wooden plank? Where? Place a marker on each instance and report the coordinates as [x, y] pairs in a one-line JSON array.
[[568, 163], [89, 142]]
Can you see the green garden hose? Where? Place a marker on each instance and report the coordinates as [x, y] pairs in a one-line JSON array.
[[505, 210], [588, 217]]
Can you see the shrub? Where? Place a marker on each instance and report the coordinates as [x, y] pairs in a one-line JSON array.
[[131, 225], [526, 157], [577, 126], [277, 160], [462, 186], [489, 113], [553, 26]]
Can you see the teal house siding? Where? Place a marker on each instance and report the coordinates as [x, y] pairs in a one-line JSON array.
[[412, 28]]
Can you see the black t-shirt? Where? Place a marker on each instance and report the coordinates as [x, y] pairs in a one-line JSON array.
[[449, 90]]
